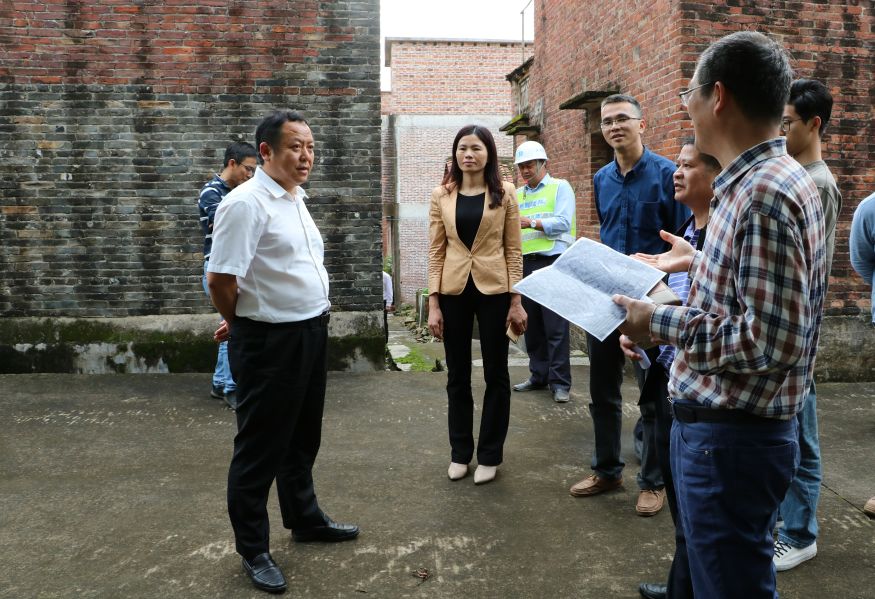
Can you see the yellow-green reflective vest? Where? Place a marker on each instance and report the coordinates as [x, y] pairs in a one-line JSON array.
[[538, 205]]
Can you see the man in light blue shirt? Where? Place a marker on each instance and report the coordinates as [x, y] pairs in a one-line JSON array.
[[547, 220], [863, 260], [862, 243]]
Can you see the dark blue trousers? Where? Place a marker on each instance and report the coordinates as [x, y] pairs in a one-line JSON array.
[[729, 479], [548, 335]]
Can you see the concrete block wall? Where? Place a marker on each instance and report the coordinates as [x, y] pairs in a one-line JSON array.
[[113, 115]]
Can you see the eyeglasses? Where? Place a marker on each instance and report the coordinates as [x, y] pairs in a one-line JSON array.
[[620, 120], [685, 95], [785, 124], [249, 169]]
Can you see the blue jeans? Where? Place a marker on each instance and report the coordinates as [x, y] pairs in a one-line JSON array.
[[729, 479], [222, 373], [799, 508]]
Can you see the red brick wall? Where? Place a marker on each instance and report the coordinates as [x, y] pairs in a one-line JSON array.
[[631, 46], [830, 41], [174, 45], [648, 48], [452, 77]]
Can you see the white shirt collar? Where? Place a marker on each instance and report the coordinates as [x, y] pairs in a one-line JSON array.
[[277, 190]]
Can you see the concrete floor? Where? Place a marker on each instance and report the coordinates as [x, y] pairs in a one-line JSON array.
[[114, 486]]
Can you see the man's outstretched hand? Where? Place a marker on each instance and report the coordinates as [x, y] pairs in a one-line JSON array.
[[677, 259]]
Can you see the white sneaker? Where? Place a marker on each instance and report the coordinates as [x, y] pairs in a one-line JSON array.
[[787, 556], [484, 474], [457, 471]]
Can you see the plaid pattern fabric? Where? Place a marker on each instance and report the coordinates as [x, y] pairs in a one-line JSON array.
[[748, 338]]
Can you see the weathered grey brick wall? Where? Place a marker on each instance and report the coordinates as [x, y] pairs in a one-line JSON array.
[[112, 117]]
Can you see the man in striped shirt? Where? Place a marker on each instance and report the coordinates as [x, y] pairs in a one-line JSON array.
[[748, 337], [239, 166], [692, 187]]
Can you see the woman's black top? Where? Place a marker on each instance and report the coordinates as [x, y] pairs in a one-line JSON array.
[[469, 212]]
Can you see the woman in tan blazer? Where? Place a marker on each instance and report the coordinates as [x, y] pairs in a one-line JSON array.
[[474, 260]]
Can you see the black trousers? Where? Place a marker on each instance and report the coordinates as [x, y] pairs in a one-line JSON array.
[[548, 336], [491, 311], [655, 393], [280, 371], [606, 361]]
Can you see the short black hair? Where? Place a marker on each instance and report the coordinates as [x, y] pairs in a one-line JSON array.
[[617, 98], [754, 68], [238, 152], [270, 128], [811, 98], [709, 161]]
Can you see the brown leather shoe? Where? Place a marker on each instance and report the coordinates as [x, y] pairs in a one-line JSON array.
[[869, 508], [593, 485], [650, 501]]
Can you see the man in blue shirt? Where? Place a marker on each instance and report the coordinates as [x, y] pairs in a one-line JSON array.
[[862, 245], [239, 166], [634, 199], [548, 228]]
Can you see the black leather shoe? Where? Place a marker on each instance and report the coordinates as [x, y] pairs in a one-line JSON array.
[[265, 574], [528, 385], [650, 590], [330, 532]]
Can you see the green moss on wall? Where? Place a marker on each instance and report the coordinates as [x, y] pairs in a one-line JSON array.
[[344, 351], [180, 351], [50, 358]]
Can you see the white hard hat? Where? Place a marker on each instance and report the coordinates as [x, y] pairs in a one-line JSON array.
[[529, 150]]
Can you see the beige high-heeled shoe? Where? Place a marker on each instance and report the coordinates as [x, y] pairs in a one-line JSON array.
[[457, 471], [485, 474]]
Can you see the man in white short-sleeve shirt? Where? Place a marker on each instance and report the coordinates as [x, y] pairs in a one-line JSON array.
[[267, 278]]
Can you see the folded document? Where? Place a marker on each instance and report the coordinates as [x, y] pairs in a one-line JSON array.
[[579, 286]]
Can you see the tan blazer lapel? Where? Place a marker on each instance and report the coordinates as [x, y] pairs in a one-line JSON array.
[[449, 210]]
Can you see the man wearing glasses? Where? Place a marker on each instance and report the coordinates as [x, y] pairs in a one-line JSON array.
[[806, 116], [748, 336], [634, 199], [239, 166]]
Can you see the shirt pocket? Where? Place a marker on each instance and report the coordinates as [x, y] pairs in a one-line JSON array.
[[647, 217]]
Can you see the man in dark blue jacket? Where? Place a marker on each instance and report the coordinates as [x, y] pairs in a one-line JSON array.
[[634, 199]]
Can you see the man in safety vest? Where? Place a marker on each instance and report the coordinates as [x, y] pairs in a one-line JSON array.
[[548, 229]]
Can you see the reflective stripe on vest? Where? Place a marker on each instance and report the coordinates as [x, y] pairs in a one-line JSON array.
[[539, 205]]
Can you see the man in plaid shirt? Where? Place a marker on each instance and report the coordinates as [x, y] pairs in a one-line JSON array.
[[747, 339]]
